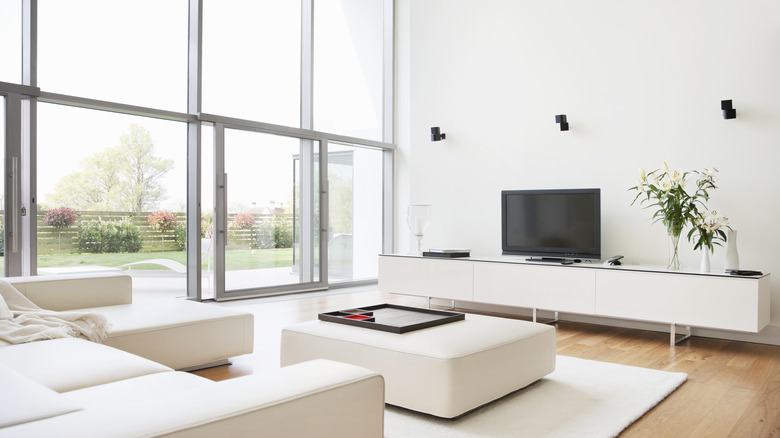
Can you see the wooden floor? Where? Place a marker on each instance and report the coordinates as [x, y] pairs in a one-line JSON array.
[[733, 388]]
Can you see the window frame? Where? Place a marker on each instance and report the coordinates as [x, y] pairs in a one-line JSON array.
[[21, 107]]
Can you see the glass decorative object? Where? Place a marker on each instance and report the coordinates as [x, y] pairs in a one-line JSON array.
[[417, 218]]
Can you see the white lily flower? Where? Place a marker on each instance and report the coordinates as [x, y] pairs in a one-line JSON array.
[[666, 184], [707, 174]]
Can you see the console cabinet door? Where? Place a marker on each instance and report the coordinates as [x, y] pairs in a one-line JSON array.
[[449, 279], [697, 300], [541, 287]]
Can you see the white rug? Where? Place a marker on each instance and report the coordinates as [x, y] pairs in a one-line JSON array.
[[581, 398]]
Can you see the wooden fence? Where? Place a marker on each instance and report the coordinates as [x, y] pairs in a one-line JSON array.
[[65, 241]]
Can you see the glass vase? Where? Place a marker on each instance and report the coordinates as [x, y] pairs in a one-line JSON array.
[[674, 257], [417, 218]]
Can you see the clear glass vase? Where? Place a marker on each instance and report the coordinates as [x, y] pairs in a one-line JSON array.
[[417, 218], [674, 257]]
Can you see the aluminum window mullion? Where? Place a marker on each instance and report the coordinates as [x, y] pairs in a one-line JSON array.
[[219, 238], [13, 141], [388, 63], [194, 147], [307, 64], [28, 141], [30, 42], [286, 131], [305, 169], [102, 105]]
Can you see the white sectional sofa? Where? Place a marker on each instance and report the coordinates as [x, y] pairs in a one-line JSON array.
[[128, 387], [178, 333]]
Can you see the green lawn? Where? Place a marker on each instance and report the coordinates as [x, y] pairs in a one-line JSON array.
[[235, 260]]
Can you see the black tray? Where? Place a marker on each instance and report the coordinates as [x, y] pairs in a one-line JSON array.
[[392, 318]]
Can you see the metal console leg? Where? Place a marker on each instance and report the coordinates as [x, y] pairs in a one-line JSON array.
[[673, 335], [553, 321]]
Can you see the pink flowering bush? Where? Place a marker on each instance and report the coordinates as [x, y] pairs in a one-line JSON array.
[[162, 220], [60, 218], [243, 221]]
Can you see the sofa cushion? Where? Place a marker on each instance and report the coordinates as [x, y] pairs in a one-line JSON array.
[[68, 292], [179, 333], [72, 363], [137, 389], [319, 399], [24, 400]]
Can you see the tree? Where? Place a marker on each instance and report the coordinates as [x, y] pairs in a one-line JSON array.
[[162, 221], [124, 177], [60, 218]]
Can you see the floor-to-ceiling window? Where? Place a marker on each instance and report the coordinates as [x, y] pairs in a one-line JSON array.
[[110, 172], [292, 103], [125, 52], [112, 198], [348, 67]]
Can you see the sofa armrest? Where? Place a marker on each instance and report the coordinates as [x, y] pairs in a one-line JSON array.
[[69, 292], [318, 398]]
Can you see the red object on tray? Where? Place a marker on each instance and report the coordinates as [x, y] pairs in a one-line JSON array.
[[358, 317]]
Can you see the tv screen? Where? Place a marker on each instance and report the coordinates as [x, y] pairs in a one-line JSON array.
[[556, 224]]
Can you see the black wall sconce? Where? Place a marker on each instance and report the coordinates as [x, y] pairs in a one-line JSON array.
[[436, 134], [728, 109], [561, 120]]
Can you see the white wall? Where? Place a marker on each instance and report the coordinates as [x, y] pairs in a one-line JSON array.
[[641, 83]]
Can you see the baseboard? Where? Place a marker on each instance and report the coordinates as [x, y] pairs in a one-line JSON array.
[[769, 335]]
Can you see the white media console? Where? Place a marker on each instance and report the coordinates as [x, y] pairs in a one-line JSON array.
[[717, 301]]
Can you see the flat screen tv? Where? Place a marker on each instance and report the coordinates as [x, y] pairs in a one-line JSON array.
[[551, 225]]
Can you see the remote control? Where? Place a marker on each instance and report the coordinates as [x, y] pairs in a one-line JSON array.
[[613, 261]]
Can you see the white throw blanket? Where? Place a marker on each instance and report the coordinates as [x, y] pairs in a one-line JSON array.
[[23, 321]]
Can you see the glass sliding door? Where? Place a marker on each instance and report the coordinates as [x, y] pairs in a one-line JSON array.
[[355, 212], [269, 215]]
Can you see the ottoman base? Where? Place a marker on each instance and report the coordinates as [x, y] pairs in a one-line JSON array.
[[444, 371]]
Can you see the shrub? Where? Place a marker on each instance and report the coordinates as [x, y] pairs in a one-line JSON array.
[[60, 218], [275, 233], [206, 224], [109, 236], [181, 236], [243, 221], [162, 221]]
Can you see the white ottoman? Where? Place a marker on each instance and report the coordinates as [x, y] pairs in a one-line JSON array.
[[445, 370]]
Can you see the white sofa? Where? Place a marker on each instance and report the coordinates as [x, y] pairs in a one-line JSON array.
[[74, 387], [178, 333]]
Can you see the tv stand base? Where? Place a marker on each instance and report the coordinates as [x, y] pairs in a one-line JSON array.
[[671, 298]]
